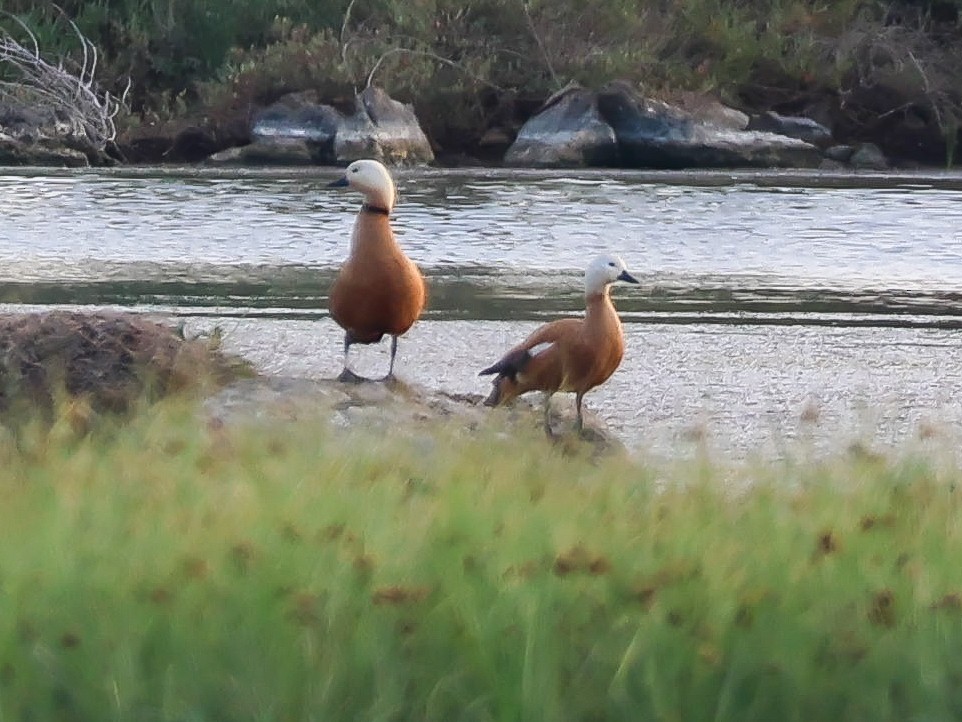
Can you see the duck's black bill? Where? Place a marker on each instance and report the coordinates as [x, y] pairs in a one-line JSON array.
[[625, 276], [339, 183]]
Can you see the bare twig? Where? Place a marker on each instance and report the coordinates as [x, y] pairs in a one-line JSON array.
[[347, 19], [918, 66], [893, 111], [433, 56]]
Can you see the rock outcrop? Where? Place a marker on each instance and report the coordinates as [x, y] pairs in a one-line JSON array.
[[577, 126], [381, 128], [868, 156], [397, 408], [710, 111], [653, 134], [567, 132], [793, 126], [299, 130], [42, 152]]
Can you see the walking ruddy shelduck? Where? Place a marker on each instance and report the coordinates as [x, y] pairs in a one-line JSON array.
[[573, 354], [378, 291]]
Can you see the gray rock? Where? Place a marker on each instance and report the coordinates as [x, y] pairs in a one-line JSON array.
[[653, 134], [272, 151], [841, 153], [396, 408], [369, 406], [831, 164], [40, 152], [706, 109], [299, 130], [793, 126], [568, 132], [295, 131], [868, 156], [40, 136], [297, 115], [381, 128], [722, 116], [617, 126]]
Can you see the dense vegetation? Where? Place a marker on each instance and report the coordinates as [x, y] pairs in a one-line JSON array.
[[868, 64], [168, 570]]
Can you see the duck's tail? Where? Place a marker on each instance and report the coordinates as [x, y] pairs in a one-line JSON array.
[[504, 386], [510, 365]]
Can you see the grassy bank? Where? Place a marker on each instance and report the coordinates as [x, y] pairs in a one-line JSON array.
[[169, 571], [871, 67]]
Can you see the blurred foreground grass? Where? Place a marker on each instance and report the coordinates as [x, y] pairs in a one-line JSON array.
[[168, 570]]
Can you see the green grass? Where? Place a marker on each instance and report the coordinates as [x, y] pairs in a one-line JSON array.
[[164, 570]]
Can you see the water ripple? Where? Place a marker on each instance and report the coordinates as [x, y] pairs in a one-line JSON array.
[[752, 231]]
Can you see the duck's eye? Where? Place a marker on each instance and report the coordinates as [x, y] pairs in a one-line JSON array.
[[354, 170], [612, 264]]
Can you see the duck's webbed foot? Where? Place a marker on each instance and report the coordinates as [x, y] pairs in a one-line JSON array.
[[579, 417], [349, 377]]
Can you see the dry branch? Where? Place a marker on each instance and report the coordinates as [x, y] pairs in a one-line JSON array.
[[72, 95], [341, 40], [433, 56]]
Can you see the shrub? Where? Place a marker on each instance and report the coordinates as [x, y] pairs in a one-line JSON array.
[[184, 54]]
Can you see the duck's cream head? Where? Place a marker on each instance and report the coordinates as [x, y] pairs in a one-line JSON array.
[[371, 178], [603, 271]]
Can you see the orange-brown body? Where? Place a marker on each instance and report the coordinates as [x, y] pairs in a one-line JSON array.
[[378, 290], [583, 354]]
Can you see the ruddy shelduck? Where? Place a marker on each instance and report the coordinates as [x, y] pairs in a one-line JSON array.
[[378, 291], [570, 355]]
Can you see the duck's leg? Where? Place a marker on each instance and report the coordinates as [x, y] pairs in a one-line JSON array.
[[348, 376], [547, 415], [390, 369], [579, 419]]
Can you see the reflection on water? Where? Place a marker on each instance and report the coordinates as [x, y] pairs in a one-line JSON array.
[[760, 292]]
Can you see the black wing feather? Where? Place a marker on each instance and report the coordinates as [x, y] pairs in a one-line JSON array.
[[510, 365]]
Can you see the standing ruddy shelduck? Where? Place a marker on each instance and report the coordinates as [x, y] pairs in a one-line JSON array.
[[378, 290], [573, 354]]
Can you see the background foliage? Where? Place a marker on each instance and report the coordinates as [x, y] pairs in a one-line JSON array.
[[865, 58]]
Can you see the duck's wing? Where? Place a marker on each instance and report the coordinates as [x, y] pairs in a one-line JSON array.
[[544, 340]]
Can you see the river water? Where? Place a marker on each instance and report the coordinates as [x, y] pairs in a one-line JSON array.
[[775, 309]]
